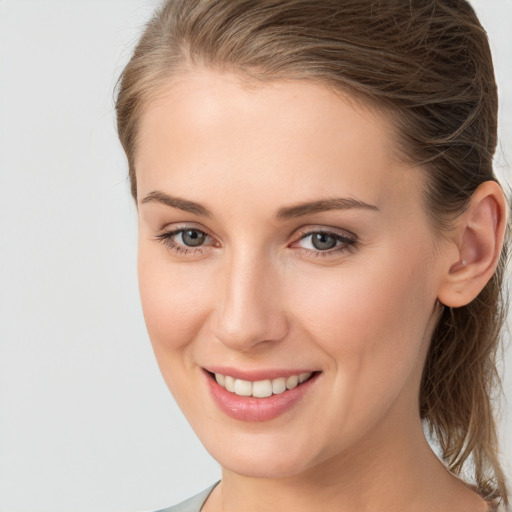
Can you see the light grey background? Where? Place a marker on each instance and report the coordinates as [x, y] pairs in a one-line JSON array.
[[86, 422]]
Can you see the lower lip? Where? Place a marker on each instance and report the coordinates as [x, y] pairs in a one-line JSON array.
[[257, 409]]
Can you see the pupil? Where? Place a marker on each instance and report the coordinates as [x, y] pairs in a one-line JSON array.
[[323, 242], [193, 238]]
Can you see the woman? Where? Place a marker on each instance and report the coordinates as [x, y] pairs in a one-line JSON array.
[[321, 247]]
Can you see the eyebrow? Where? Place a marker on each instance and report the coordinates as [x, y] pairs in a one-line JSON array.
[[177, 202], [341, 203], [287, 212]]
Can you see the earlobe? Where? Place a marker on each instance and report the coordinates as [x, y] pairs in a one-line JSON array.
[[480, 234]]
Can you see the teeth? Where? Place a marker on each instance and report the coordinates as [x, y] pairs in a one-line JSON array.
[[292, 382], [303, 377], [229, 383], [278, 385], [261, 388], [243, 387]]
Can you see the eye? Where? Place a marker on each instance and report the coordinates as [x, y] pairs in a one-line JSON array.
[[186, 240], [191, 237], [322, 241], [325, 242]]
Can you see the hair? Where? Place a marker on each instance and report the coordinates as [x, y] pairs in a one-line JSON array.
[[428, 63]]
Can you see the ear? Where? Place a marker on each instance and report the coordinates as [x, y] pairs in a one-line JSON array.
[[479, 236]]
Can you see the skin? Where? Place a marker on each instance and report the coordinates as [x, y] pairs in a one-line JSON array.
[[257, 294]]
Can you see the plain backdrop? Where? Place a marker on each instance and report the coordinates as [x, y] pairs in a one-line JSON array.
[[86, 422]]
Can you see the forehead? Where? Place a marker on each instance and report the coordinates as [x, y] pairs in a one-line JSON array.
[[207, 97], [207, 128]]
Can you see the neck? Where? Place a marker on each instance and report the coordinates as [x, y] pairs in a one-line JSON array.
[[385, 472]]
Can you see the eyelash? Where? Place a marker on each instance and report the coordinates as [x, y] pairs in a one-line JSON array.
[[167, 239], [344, 242]]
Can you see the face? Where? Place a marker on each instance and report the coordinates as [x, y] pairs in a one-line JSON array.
[[284, 248]]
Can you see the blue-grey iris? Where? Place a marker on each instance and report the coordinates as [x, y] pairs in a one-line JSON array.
[[193, 238], [322, 241]]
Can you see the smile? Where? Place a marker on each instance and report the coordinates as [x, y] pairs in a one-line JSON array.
[[260, 396], [261, 388]]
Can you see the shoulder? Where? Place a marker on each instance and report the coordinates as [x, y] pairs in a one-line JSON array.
[[193, 504]]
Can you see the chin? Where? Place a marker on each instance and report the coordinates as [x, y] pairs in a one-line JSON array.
[[266, 457], [250, 467]]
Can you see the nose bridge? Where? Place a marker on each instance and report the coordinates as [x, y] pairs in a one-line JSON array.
[[249, 311]]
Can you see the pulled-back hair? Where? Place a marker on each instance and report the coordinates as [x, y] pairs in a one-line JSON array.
[[428, 63]]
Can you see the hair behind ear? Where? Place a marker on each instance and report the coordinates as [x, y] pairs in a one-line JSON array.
[[460, 378]]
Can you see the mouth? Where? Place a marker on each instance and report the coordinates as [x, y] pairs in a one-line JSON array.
[[259, 399], [260, 388]]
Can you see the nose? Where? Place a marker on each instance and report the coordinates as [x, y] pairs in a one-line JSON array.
[[249, 312]]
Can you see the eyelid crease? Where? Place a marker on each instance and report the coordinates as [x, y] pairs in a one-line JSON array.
[[309, 230], [344, 243]]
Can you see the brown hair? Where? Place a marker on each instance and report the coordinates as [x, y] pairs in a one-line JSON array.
[[428, 62]]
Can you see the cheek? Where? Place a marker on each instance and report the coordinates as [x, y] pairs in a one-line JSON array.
[[373, 330], [173, 314], [172, 300], [372, 320]]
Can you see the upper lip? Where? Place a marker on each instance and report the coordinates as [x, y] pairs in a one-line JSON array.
[[255, 375]]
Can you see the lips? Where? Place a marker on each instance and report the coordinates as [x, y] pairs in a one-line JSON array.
[[255, 398]]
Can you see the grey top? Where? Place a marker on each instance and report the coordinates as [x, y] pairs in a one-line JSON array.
[[194, 504]]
